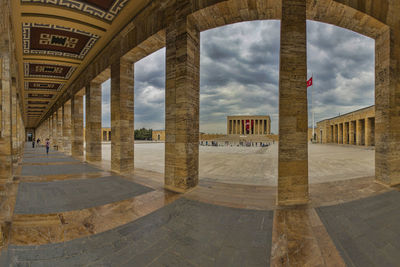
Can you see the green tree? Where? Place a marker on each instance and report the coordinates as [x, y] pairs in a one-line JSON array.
[[143, 134]]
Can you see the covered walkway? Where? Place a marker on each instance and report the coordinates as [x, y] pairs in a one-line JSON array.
[[70, 213]]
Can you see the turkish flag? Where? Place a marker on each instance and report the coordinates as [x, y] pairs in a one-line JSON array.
[[309, 82], [247, 125]]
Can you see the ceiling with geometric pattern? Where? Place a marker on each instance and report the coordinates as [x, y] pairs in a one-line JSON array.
[[56, 39]]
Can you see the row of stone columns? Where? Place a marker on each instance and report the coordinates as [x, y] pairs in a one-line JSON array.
[[257, 127], [65, 129], [12, 129], [182, 107], [354, 132]]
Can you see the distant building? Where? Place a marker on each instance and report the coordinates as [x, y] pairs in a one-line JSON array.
[[248, 125], [353, 128], [158, 135], [106, 134]]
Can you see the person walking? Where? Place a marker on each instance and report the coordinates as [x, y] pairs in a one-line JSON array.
[[38, 142], [33, 143], [47, 146]]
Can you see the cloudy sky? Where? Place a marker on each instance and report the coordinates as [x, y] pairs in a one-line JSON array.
[[239, 75]]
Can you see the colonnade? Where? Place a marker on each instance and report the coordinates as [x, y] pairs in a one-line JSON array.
[[182, 41], [12, 125], [354, 132], [65, 128], [249, 126]]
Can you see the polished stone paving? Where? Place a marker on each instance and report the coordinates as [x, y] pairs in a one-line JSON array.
[[48, 159], [93, 217], [41, 170], [183, 233], [59, 196], [367, 231]]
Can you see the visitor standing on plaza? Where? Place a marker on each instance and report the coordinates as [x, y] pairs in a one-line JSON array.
[[38, 142], [47, 146], [33, 143]]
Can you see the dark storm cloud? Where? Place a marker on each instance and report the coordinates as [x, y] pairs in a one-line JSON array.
[[150, 91], [239, 74], [343, 65]]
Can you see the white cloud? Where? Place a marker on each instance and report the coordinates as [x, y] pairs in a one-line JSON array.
[[240, 68]]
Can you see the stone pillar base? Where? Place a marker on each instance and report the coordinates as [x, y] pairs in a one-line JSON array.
[[178, 189], [293, 202]]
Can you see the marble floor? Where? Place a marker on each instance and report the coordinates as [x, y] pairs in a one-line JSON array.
[[59, 211]]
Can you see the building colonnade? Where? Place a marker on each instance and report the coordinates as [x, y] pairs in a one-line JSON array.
[[249, 125], [12, 122], [182, 96], [357, 132], [354, 128]]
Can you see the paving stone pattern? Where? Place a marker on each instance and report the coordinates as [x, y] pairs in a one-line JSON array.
[[39, 170], [366, 231], [48, 159], [66, 195], [183, 233], [28, 150]]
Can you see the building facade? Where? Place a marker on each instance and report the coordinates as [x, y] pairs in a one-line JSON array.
[[353, 128], [248, 125], [158, 135], [106, 134]]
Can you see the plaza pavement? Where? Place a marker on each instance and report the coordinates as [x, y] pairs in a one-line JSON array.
[[259, 166]]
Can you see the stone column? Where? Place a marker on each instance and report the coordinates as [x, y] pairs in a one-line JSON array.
[[387, 103], [14, 106], [351, 134], [48, 132], [122, 116], [373, 132], [60, 138], [241, 127], [182, 100], [358, 132], [55, 123], [77, 126], [93, 121], [343, 133], [337, 133], [367, 132], [5, 118], [293, 117], [66, 124]]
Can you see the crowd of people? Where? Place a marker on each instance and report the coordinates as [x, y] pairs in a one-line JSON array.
[[241, 143]]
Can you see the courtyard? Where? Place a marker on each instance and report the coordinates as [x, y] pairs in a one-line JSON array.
[[259, 165]]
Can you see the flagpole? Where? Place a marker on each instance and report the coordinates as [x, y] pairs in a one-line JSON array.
[[312, 106]]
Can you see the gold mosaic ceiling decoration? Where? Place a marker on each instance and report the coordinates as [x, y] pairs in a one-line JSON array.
[[56, 39]]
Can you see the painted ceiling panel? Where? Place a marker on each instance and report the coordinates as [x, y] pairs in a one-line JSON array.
[[57, 39], [106, 10], [40, 70]]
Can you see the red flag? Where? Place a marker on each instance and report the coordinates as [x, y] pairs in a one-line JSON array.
[[309, 82]]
